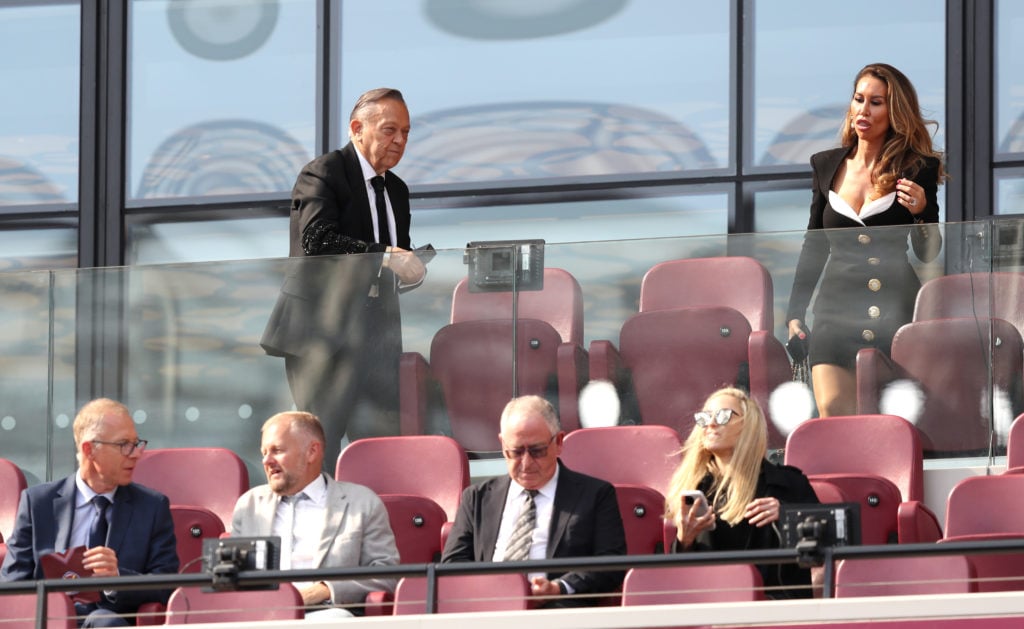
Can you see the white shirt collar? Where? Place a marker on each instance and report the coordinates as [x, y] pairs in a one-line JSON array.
[[86, 493], [316, 490], [547, 490], [866, 211], [368, 171]]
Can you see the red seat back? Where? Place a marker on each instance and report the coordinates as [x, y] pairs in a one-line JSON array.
[[986, 505], [644, 454], [679, 357], [1015, 445], [191, 526], [641, 509], [997, 295], [928, 574], [560, 304], [725, 583], [12, 483], [470, 593], [416, 522], [880, 445], [738, 282], [18, 611], [473, 361], [213, 478], [432, 466], [953, 361], [190, 605]]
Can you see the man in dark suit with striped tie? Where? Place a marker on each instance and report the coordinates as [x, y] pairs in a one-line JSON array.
[[337, 321], [542, 509]]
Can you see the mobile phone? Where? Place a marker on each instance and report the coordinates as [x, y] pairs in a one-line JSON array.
[[692, 496]]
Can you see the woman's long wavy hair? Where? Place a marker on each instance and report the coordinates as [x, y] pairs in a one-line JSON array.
[[734, 484], [908, 140]]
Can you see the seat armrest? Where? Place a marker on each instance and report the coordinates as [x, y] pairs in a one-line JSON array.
[[446, 528], [413, 398], [573, 373], [380, 603], [916, 524], [769, 368], [669, 534], [606, 362], [151, 614]]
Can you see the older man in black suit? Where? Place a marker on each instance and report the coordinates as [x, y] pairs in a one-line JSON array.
[[337, 322], [541, 510]]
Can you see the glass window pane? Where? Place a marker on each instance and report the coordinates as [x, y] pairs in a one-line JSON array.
[[1009, 68], [222, 96], [38, 248], [803, 75], [513, 90], [1009, 186], [206, 241], [580, 221], [39, 64]]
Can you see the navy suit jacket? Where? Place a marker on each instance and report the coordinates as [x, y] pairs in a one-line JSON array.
[[141, 533], [585, 522]]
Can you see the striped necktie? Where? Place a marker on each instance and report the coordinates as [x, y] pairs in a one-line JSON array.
[[518, 548]]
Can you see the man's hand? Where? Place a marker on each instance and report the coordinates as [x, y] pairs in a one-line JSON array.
[[539, 586], [405, 264], [315, 594], [101, 560]]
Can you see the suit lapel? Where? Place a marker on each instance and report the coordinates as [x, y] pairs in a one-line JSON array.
[[337, 507], [493, 501], [121, 519], [357, 185], [64, 513], [566, 497]]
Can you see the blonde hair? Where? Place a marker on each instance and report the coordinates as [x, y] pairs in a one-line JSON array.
[[907, 142], [736, 483], [89, 418]]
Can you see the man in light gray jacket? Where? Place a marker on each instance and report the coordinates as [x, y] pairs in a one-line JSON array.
[[321, 522]]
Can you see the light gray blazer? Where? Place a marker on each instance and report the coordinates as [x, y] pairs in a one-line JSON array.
[[357, 533]]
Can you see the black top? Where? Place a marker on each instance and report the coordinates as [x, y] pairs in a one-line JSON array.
[[789, 485]]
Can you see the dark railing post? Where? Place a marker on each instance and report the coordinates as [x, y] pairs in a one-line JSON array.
[[829, 576], [41, 601], [431, 588]]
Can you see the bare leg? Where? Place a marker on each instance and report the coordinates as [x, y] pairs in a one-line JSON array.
[[835, 390]]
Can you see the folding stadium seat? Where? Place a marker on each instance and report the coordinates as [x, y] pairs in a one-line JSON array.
[[18, 611], [632, 454], [949, 372], [416, 522], [432, 466], [213, 478], [989, 508], [469, 593], [875, 460], [190, 605], [724, 583], [469, 377], [191, 526], [639, 461], [902, 576], [997, 295], [12, 483], [703, 323], [1015, 446]]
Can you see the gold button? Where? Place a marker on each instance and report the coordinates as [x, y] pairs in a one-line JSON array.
[[874, 312], [874, 261], [874, 284], [867, 335], [864, 239]]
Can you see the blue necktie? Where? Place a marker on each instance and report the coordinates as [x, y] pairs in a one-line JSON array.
[[98, 531]]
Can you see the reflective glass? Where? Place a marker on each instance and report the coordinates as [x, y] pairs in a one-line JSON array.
[[39, 65], [222, 96], [1009, 185], [197, 241], [512, 90], [26, 249], [807, 60], [1009, 77]]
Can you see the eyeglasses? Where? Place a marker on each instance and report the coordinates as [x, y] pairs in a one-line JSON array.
[[720, 417], [127, 447], [536, 452]]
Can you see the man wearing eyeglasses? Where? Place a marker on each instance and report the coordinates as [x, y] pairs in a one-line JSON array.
[[541, 510], [126, 528]]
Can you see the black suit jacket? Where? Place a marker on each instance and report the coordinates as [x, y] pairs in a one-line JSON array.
[[141, 533], [323, 298], [585, 522]]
